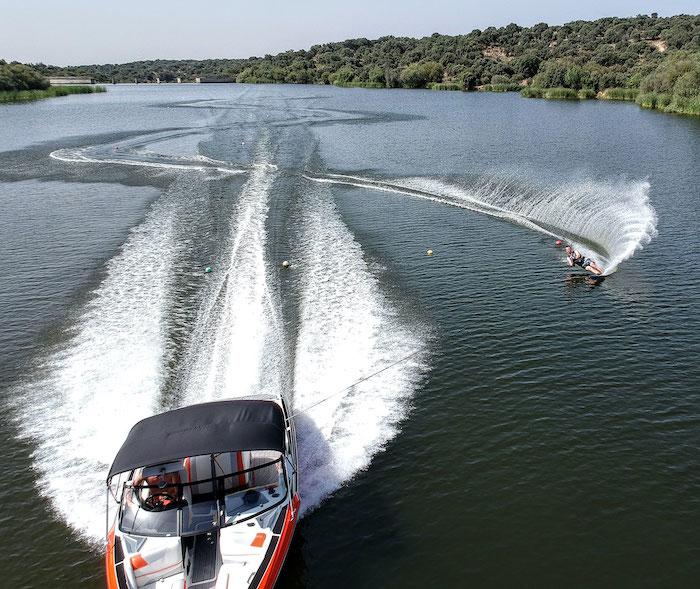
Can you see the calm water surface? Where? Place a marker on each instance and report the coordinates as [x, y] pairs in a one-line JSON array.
[[545, 431]]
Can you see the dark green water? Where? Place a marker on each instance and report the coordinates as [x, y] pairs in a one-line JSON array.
[[546, 431]]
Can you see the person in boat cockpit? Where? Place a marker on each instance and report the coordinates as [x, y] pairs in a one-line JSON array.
[[575, 258], [159, 492]]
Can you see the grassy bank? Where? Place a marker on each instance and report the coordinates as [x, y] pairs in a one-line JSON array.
[[501, 87], [377, 85], [359, 84], [450, 86], [673, 86], [653, 100], [629, 94], [51, 92], [558, 93], [669, 103]]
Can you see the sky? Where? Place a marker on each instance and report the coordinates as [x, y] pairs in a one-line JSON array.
[[72, 32]]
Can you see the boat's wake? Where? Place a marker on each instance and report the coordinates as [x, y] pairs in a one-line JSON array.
[[116, 367], [237, 345], [348, 329], [99, 155], [106, 378], [607, 221]]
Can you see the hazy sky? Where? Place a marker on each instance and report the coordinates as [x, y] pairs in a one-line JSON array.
[[66, 32]]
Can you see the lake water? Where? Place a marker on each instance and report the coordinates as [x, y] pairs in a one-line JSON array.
[[533, 427]]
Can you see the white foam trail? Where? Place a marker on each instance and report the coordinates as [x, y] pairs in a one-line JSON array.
[[105, 379], [607, 221], [80, 155], [348, 329], [237, 344], [111, 372]]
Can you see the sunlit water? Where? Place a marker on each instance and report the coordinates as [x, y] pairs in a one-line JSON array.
[[542, 427]]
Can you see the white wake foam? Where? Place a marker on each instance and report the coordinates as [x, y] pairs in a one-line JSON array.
[[237, 346], [111, 372], [105, 379], [607, 221], [348, 329], [92, 155]]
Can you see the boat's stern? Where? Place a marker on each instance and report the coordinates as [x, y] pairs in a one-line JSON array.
[[216, 519]]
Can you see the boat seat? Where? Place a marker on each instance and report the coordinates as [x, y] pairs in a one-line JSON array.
[[158, 558], [225, 463], [267, 476]]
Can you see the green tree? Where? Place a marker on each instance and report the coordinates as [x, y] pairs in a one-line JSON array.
[[344, 75], [527, 65], [417, 75], [500, 79], [468, 80], [663, 79], [377, 75], [577, 77], [552, 74], [16, 76], [688, 84]]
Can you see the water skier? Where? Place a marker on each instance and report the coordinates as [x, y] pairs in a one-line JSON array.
[[575, 258]]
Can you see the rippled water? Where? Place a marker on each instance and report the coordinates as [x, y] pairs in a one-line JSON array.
[[544, 428]]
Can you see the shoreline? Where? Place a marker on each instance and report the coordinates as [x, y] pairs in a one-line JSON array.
[[19, 96], [652, 101]]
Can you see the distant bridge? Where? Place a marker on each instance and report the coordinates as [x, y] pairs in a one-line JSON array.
[[70, 81]]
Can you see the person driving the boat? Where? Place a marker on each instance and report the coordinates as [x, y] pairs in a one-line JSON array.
[[159, 492], [576, 258]]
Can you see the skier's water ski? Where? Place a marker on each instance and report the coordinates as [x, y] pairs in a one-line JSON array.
[[575, 258]]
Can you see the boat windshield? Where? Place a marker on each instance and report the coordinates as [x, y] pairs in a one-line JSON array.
[[201, 493]]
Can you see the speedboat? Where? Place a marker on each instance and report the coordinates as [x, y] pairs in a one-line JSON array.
[[204, 497]]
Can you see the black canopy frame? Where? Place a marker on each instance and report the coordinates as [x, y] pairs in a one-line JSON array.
[[206, 428]]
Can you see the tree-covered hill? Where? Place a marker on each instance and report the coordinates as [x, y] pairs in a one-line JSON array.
[[655, 61], [21, 83], [16, 77], [609, 52]]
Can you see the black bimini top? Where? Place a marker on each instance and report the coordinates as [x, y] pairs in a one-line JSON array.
[[207, 428]]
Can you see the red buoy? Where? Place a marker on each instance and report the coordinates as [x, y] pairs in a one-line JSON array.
[[558, 242]]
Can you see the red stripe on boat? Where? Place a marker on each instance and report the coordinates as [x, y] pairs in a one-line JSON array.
[[112, 582], [239, 466], [273, 570]]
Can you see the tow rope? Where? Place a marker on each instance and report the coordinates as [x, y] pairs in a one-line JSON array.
[[399, 361]]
